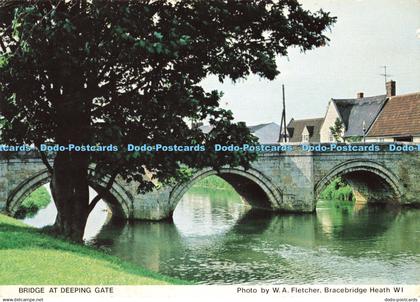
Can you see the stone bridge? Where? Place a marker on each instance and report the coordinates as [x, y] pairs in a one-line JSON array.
[[283, 182]]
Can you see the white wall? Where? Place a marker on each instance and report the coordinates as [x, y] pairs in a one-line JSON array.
[[379, 139], [305, 132], [416, 139]]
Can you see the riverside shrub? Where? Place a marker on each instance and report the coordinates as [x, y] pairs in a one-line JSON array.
[[38, 199], [338, 189]]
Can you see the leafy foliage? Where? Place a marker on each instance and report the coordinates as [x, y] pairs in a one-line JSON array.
[[338, 190], [2, 122], [354, 139], [112, 72], [337, 130], [129, 72]]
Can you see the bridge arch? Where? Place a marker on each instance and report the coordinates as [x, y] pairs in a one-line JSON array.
[[370, 181], [254, 187], [118, 199]]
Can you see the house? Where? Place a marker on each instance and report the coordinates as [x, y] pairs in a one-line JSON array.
[[267, 133], [356, 115], [305, 130], [398, 121]]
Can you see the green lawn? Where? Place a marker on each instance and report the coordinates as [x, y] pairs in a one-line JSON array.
[[28, 256]]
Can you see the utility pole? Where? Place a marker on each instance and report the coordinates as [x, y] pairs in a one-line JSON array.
[[283, 129]]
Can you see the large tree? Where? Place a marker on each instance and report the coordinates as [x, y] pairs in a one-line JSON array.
[[118, 72]]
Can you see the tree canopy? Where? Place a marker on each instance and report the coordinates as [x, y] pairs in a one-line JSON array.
[[120, 72]]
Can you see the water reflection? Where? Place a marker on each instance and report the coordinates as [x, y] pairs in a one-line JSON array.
[[215, 239], [99, 217]]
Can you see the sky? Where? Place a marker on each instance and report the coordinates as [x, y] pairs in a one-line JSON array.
[[368, 34]]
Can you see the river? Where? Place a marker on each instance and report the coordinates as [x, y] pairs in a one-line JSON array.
[[216, 239]]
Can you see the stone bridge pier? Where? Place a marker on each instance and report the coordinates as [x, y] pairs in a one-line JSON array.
[[279, 182]]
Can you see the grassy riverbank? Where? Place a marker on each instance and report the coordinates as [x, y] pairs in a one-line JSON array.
[[213, 182], [38, 199], [336, 190], [30, 257]]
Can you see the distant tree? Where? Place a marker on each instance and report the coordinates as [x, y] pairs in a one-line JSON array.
[[337, 130], [354, 139], [118, 72]]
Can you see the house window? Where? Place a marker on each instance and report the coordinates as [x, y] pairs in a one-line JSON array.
[[331, 137], [305, 138], [381, 139]]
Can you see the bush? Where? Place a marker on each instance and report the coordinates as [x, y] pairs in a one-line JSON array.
[[338, 190], [38, 199]]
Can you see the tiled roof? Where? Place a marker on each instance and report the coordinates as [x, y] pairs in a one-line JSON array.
[[356, 111], [399, 117], [296, 127]]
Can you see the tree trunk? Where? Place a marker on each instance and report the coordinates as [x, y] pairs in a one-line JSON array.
[[69, 184], [70, 190]]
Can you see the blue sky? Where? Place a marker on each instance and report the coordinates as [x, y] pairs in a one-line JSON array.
[[368, 34]]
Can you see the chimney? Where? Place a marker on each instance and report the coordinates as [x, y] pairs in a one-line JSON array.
[[360, 95], [390, 88]]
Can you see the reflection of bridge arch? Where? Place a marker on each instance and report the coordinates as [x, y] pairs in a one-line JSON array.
[[118, 199], [254, 187], [372, 176]]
